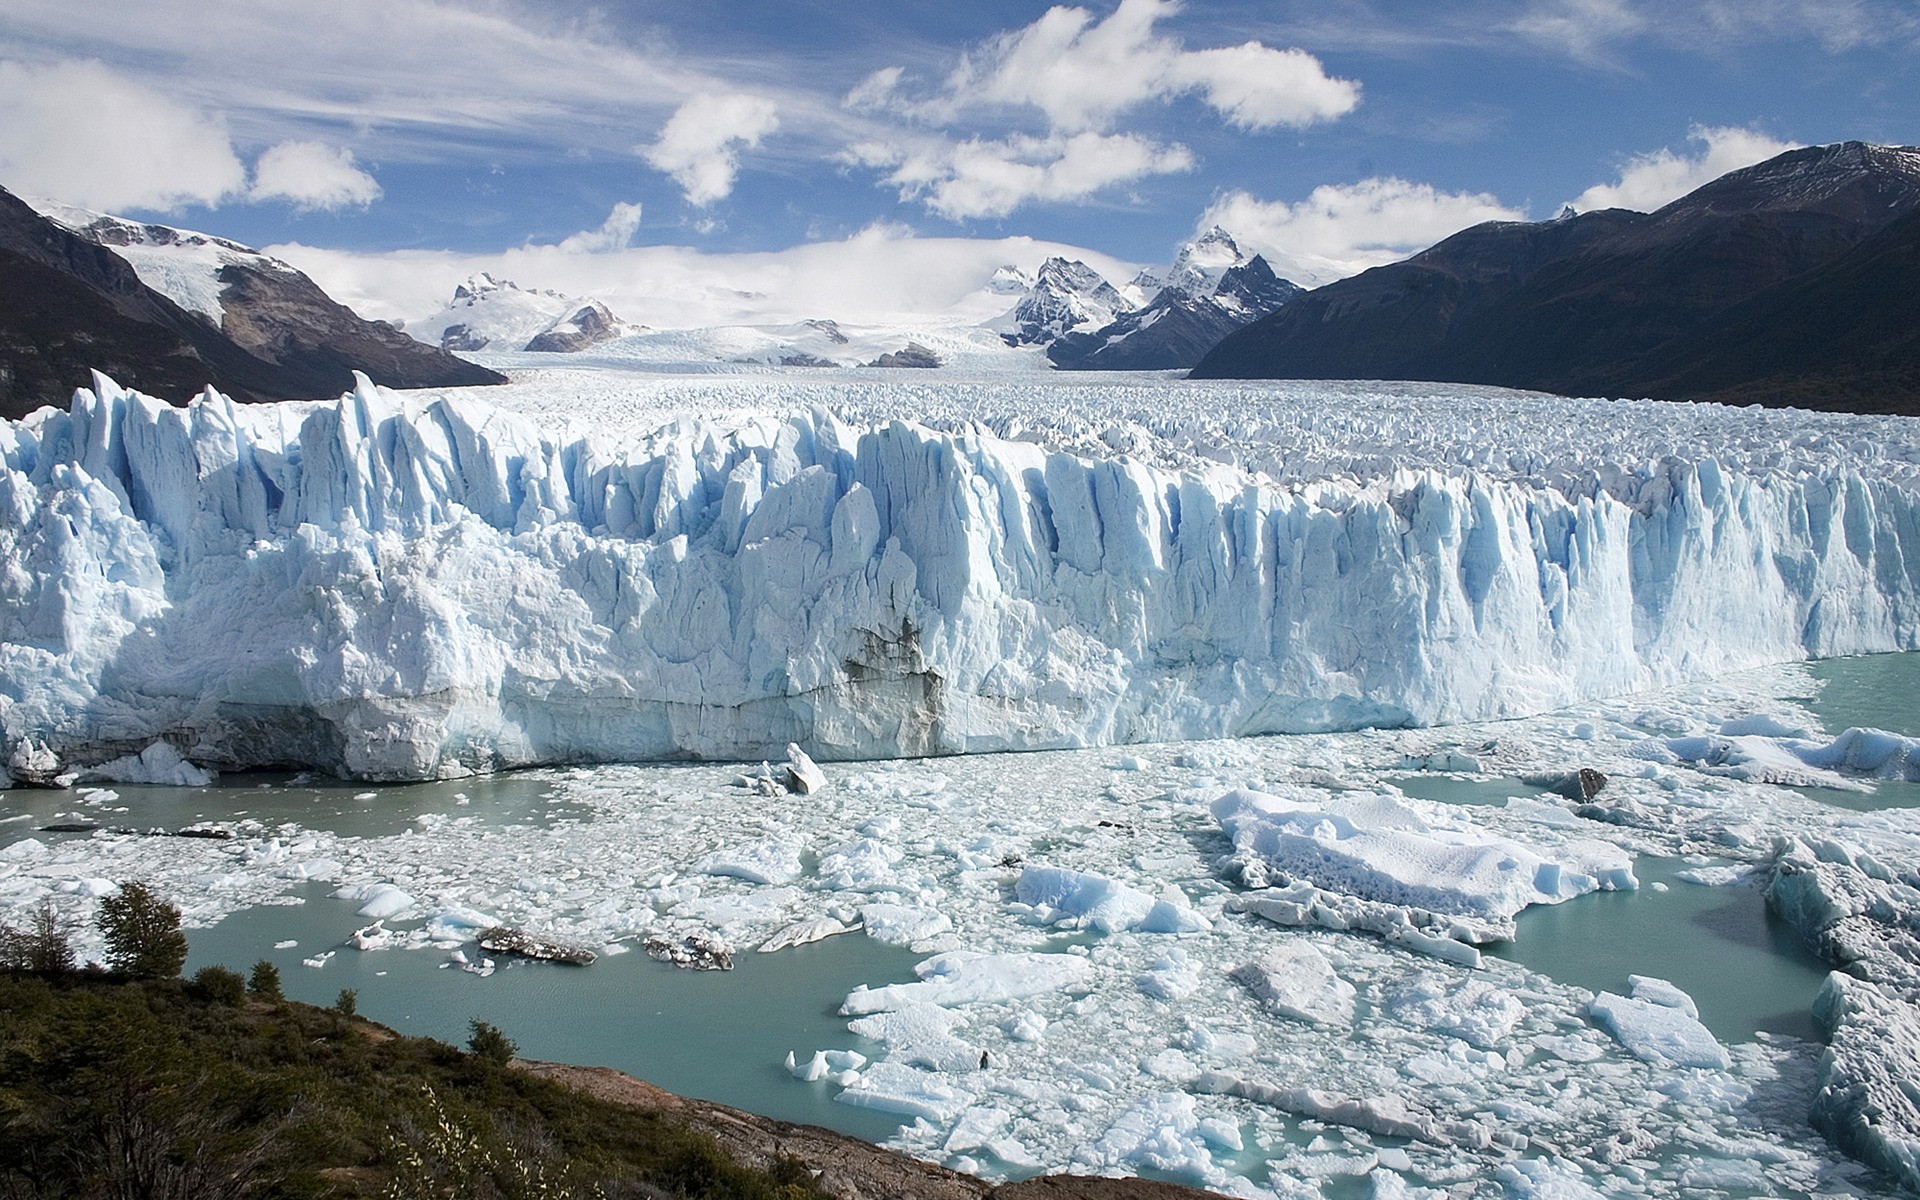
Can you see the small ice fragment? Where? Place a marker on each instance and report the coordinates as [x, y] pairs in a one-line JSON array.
[[366, 795], [1295, 980], [289, 944], [1659, 991], [803, 778]]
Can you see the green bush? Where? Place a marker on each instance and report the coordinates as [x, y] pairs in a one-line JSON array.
[[490, 1045], [42, 946], [348, 1003], [218, 985]]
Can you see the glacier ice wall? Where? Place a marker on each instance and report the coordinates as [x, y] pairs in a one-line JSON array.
[[385, 588]]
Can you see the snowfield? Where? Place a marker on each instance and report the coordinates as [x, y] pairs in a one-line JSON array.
[[405, 586]]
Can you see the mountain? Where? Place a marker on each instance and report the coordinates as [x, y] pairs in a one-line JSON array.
[[1065, 295], [487, 313], [271, 310], [1624, 303], [70, 305], [1211, 289]]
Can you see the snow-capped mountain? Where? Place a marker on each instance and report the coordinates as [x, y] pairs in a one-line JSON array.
[[1065, 295], [1211, 289], [175, 310], [492, 314]]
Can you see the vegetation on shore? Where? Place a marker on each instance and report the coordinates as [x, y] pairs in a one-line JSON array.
[[136, 1083]]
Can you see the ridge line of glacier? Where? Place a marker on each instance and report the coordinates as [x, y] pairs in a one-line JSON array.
[[381, 587]]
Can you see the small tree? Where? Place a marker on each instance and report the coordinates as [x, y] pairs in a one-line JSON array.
[[41, 947], [348, 1004], [143, 933], [264, 983], [490, 1045]]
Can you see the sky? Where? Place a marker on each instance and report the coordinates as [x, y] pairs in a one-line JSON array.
[[765, 159]]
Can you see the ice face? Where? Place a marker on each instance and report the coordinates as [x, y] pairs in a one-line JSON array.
[[386, 587]]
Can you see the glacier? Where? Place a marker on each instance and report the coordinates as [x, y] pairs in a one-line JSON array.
[[395, 587]]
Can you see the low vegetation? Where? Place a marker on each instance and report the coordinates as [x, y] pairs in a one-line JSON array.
[[113, 1085]]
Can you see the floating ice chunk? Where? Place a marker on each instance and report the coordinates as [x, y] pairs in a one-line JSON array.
[[1866, 1102], [839, 1066], [1173, 913], [1061, 897], [1172, 976], [903, 924], [1546, 1179], [286, 944], [975, 1129], [458, 923], [800, 933], [1658, 1034], [1376, 848], [160, 763], [1025, 1027], [313, 868], [771, 860], [24, 850], [378, 901], [1389, 1116], [1389, 1186], [1473, 1010], [802, 778], [319, 960], [892, 1087], [863, 865], [921, 1036], [1301, 905], [1659, 991], [963, 977], [1295, 980], [1131, 762], [1159, 1132]]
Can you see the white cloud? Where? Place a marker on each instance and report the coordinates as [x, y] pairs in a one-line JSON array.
[[1343, 229], [81, 133], [1084, 73], [1649, 181], [614, 233], [312, 175], [700, 146], [981, 178], [881, 274], [1585, 30]]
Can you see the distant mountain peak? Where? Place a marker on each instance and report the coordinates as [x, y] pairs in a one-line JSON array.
[[1066, 294]]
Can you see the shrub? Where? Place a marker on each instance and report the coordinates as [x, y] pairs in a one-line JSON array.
[[264, 983], [348, 1004], [489, 1044], [143, 933], [218, 985]]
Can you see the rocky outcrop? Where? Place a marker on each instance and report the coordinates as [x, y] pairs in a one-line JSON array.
[[912, 355], [588, 325]]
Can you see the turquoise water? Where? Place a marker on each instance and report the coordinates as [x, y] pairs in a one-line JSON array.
[[1872, 691], [1746, 970], [717, 1035]]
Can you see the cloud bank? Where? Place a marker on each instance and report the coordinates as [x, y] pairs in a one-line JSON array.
[[1343, 229], [1651, 180]]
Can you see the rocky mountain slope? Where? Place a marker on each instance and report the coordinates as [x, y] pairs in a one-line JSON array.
[[488, 313], [72, 304], [1625, 303]]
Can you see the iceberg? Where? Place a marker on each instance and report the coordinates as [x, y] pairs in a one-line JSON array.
[[395, 586]]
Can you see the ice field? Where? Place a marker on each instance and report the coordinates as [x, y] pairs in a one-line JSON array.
[[1296, 964]]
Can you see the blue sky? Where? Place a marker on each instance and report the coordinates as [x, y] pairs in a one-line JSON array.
[[1330, 134]]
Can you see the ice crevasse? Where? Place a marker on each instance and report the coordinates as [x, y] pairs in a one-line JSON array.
[[389, 588]]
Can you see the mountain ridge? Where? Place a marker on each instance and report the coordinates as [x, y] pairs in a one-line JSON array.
[[1608, 302]]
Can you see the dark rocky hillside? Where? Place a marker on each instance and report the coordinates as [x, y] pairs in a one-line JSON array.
[[69, 306], [1660, 304]]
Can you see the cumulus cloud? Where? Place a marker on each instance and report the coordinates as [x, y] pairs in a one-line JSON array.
[[700, 146], [312, 175], [983, 178], [1343, 229], [615, 233], [1084, 73], [1649, 181], [883, 273], [78, 132]]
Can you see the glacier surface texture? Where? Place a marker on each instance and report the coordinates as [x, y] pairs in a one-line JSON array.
[[394, 586]]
